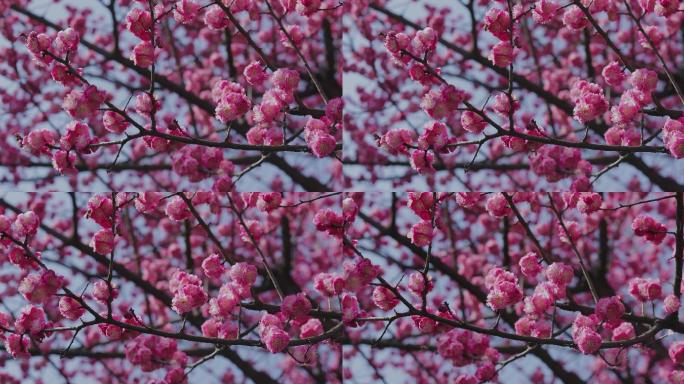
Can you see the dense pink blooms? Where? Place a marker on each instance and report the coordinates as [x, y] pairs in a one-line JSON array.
[[624, 331], [648, 227], [31, 320], [188, 292], [589, 202], [589, 99], [38, 288], [82, 104], [442, 102], [644, 80], [671, 304], [673, 137], [255, 73], [223, 304], [613, 74], [645, 289], [39, 141], [545, 11], [38, 44], [434, 136], [503, 289]]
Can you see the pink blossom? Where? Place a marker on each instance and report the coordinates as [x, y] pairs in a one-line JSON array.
[[223, 304], [243, 273], [329, 221], [143, 54], [102, 293], [83, 104], [114, 122], [497, 205], [38, 44], [66, 41], [613, 74], [574, 18], [215, 18], [296, 306], [255, 74], [502, 54], [18, 346], [275, 339], [560, 274], [285, 79], [177, 209], [421, 203], [610, 309], [434, 136], [39, 141], [590, 102], [529, 264], [646, 226], [308, 7], [503, 289], [671, 304], [421, 161], [64, 162], [498, 22], [350, 308], [77, 136], [676, 352], [384, 299], [588, 341], [589, 202], [545, 11], [395, 141], [213, 266], [26, 224], [312, 327], [31, 320], [442, 102], [624, 331], [472, 122], [38, 288], [421, 233], [321, 144], [70, 308], [186, 11], [644, 80], [416, 284], [139, 23], [188, 292]]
